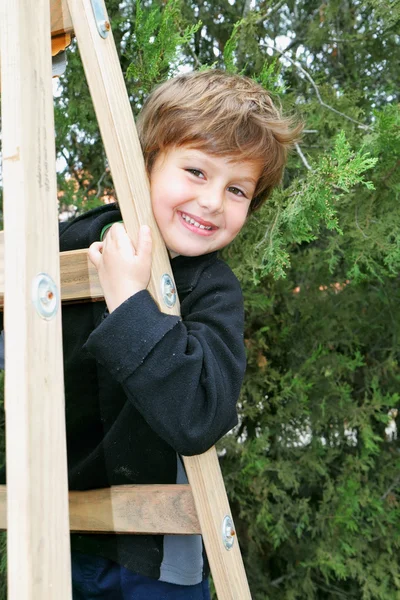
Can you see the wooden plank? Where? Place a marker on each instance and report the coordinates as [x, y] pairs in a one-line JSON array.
[[38, 527], [60, 18], [139, 509], [212, 507], [114, 114], [61, 27], [79, 278]]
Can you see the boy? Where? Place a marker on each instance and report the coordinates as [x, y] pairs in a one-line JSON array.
[[143, 387]]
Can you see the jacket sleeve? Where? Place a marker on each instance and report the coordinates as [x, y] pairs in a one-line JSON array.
[[184, 376]]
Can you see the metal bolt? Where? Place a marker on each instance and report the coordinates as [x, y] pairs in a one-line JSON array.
[[105, 26], [100, 15], [228, 532], [45, 296], [168, 290]]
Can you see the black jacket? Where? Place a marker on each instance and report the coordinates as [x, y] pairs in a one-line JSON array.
[[141, 386]]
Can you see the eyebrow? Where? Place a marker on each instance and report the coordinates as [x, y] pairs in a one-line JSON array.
[[207, 160], [193, 155], [248, 180]]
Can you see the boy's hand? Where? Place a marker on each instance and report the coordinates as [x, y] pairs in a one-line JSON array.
[[123, 269]]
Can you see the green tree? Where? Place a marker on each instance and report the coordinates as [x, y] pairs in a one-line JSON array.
[[313, 467]]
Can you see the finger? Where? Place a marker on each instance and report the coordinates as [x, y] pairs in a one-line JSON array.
[[145, 245], [95, 253], [120, 238], [118, 231]]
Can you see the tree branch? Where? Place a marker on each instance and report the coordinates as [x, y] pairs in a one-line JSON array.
[[357, 224], [279, 580], [391, 488], [70, 164], [311, 80], [246, 8], [270, 11], [269, 230], [192, 52], [296, 40], [99, 184], [303, 158], [334, 590], [194, 56], [391, 171]]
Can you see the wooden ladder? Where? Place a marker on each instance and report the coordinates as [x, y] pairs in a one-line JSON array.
[[37, 516]]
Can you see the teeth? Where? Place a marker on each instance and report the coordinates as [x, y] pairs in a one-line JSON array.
[[193, 222]]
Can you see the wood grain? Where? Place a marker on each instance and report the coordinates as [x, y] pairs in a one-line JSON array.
[[118, 508], [121, 143], [38, 527], [212, 506], [60, 18], [136, 509], [61, 27], [111, 102], [79, 279]]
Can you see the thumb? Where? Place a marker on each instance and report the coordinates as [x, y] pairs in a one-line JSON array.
[[94, 253]]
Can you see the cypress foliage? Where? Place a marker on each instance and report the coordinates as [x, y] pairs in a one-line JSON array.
[[312, 469]]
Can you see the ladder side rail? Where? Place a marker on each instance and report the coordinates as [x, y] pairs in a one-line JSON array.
[[61, 24], [38, 528], [111, 103], [122, 146]]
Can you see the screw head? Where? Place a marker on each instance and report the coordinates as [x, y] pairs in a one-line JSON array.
[[45, 296], [228, 532], [168, 290], [105, 26]]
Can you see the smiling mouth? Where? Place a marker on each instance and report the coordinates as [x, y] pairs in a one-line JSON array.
[[194, 224]]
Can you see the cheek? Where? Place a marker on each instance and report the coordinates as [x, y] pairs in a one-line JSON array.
[[159, 199], [238, 218], [169, 194], [155, 206], [163, 211]]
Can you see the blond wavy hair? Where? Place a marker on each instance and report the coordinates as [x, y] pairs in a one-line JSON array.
[[221, 114]]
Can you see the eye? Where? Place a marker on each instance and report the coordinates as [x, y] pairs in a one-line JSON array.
[[196, 173], [237, 192]]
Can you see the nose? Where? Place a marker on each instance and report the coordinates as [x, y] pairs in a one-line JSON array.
[[212, 200]]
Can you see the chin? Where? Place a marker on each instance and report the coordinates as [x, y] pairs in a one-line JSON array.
[[190, 253], [186, 249]]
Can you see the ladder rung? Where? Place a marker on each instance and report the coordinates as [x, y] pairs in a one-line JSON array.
[[140, 509], [79, 279]]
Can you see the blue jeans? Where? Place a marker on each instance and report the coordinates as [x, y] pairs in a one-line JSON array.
[[97, 578]]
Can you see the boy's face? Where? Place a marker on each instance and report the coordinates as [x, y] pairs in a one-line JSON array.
[[200, 201]]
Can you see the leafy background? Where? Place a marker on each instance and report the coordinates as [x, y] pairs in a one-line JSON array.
[[313, 468]]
